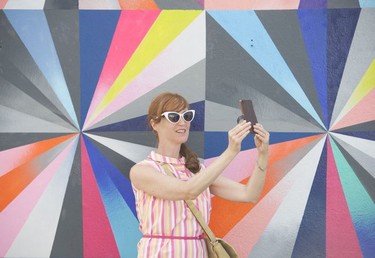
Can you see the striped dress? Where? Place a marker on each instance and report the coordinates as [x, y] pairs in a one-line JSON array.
[[169, 228]]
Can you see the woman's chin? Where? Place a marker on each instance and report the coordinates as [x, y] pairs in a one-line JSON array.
[[183, 139]]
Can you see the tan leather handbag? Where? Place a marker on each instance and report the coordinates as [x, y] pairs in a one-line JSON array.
[[216, 247]]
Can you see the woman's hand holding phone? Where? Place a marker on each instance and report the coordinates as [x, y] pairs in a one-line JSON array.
[[248, 113]]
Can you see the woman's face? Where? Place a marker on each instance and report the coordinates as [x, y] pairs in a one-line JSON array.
[[173, 126]]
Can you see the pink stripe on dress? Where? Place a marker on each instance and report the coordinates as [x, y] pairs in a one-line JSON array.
[[170, 218]]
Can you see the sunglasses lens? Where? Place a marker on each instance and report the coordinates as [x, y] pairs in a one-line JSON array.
[[188, 116], [173, 117]]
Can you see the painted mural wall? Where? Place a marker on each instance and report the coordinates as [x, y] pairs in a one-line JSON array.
[[76, 78]]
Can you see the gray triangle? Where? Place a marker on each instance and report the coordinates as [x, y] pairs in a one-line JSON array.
[[147, 139], [240, 75], [17, 66], [366, 161], [178, 5], [64, 27], [343, 4], [17, 122], [16, 99], [222, 118], [190, 84], [292, 47], [11, 74]]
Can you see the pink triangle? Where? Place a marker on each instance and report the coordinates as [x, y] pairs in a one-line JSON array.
[[3, 3], [363, 112], [242, 165], [98, 238], [12, 158]]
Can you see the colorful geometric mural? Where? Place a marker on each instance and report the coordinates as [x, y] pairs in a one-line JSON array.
[[184, 4], [74, 91]]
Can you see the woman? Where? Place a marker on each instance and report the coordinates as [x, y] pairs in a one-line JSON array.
[[169, 228]]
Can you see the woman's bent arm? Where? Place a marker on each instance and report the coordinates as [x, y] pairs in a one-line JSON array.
[[147, 179]]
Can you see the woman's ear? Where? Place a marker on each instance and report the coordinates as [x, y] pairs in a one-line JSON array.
[[153, 124]]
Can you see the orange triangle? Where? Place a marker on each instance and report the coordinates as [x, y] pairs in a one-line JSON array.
[[138, 5], [16, 180], [226, 214]]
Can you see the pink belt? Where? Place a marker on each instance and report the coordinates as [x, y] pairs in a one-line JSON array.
[[176, 237]]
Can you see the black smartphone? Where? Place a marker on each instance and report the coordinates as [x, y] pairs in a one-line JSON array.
[[248, 113]]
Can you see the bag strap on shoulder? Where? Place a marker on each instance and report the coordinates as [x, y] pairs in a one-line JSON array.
[[197, 214]]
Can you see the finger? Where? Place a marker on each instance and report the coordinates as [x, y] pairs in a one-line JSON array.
[[260, 130], [259, 127], [263, 133], [263, 137], [242, 129], [238, 125], [238, 138], [242, 135], [243, 126]]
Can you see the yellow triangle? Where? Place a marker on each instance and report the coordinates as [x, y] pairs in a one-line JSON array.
[[364, 87], [166, 28]]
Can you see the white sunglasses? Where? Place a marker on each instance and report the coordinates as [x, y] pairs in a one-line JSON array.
[[174, 117]]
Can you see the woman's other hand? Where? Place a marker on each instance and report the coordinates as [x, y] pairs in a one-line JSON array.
[[261, 139]]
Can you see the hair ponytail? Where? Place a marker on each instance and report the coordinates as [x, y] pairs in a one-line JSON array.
[[191, 159]]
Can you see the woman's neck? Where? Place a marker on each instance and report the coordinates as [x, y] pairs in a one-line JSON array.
[[169, 151]]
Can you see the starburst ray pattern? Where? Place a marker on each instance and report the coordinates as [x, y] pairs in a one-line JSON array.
[[75, 88]]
